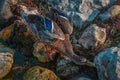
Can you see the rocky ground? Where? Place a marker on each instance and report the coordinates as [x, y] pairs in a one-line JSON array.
[[96, 36]]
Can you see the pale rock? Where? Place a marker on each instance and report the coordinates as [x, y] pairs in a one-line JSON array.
[[93, 36], [6, 60]]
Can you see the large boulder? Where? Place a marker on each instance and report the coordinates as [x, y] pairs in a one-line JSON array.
[[39, 73], [93, 36], [6, 60], [108, 64], [80, 11]]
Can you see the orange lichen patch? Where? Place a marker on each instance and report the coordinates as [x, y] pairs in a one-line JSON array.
[[117, 2], [6, 33]]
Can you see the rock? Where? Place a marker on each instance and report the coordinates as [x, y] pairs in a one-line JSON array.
[[13, 1], [39, 73], [5, 14], [93, 36], [104, 3], [108, 64], [5, 11], [22, 38], [81, 11], [6, 32], [111, 12], [40, 52], [74, 40], [6, 60], [80, 78], [65, 68]]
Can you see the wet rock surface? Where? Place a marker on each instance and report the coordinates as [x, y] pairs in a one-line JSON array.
[[66, 68], [39, 73], [95, 36], [41, 54], [108, 65], [111, 12], [6, 60], [81, 11]]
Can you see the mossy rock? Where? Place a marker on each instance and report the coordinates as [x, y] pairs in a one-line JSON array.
[[39, 73], [8, 76]]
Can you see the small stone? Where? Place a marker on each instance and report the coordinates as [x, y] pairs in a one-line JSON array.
[[6, 60], [80, 78], [108, 64], [39, 73], [93, 36], [105, 3], [65, 68], [111, 12], [6, 32], [13, 1], [74, 40], [5, 12], [40, 52]]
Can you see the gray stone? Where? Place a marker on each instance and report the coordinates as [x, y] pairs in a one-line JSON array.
[[108, 64], [6, 60], [74, 40], [111, 12], [65, 68], [5, 12], [104, 3], [93, 36]]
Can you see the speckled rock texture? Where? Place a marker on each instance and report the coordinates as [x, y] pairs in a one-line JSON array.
[[6, 60], [108, 64], [81, 11], [39, 73], [93, 36]]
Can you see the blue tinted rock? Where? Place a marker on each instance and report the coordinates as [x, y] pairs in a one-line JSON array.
[[108, 64], [111, 12]]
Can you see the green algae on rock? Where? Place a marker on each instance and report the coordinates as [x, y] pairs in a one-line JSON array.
[[39, 73]]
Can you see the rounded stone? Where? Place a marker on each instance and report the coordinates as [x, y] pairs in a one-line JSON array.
[[6, 60], [39, 73]]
